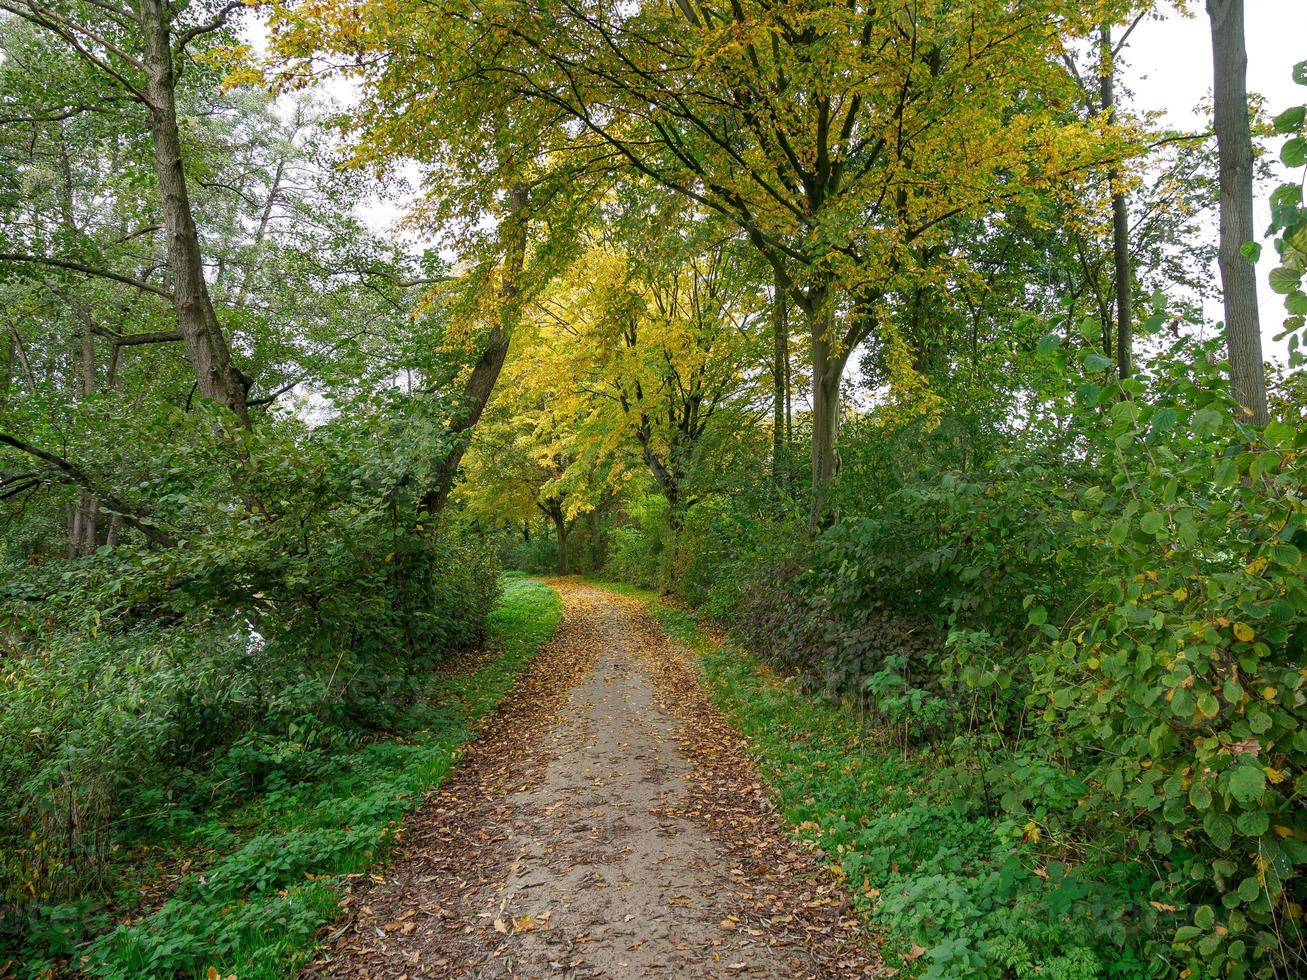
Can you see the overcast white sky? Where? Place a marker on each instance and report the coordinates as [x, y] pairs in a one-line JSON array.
[[1168, 64]]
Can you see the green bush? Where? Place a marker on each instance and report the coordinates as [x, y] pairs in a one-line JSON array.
[[638, 552], [264, 867], [103, 735], [299, 614], [1095, 635]]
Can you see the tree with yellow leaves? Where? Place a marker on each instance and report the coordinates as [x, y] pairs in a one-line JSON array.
[[841, 139], [645, 356]]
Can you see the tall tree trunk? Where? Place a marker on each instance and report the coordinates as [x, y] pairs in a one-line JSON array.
[[485, 372], [1120, 218], [668, 479], [20, 353], [827, 373], [7, 368], [82, 537], [789, 400], [216, 374], [555, 512], [780, 367], [74, 523], [598, 540], [1243, 337], [90, 525]]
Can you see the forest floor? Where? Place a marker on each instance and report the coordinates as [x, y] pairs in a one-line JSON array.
[[606, 822]]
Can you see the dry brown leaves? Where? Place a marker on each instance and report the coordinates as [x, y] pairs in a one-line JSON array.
[[456, 900], [791, 893]]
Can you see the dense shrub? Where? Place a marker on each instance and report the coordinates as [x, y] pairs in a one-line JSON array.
[[539, 556], [639, 551], [142, 685], [1098, 630], [258, 876], [101, 732]]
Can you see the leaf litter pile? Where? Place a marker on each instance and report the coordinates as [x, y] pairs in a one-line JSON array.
[[606, 822]]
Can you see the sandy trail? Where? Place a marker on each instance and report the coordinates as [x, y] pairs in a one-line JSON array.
[[605, 823]]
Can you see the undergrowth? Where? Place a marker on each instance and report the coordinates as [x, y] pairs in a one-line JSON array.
[[951, 889], [259, 880]]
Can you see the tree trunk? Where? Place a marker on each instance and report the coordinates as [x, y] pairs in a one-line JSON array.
[[1120, 219], [90, 524], [485, 372], [83, 532], [7, 369], [560, 529], [827, 373], [1243, 337], [598, 542], [789, 400], [780, 366], [216, 375]]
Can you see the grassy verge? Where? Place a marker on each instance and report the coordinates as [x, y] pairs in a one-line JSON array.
[[952, 889], [272, 868]]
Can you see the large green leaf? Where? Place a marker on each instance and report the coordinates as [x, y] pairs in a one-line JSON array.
[[1247, 782]]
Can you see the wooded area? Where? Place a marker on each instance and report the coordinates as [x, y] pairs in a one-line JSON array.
[[889, 338]]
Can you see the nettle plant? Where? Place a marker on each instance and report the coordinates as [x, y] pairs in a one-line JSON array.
[[1175, 688]]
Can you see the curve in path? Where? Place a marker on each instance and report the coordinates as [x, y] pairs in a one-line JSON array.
[[606, 822]]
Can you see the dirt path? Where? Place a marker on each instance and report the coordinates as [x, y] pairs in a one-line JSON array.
[[606, 823]]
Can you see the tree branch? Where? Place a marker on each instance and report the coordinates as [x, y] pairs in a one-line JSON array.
[[86, 270], [75, 474]]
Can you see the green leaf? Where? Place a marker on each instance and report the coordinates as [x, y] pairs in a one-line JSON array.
[[1247, 783], [1206, 421], [1152, 522], [1119, 530], [1164, 419], [1227, 472], [1094, 361], [1286, 554], [1038, 616], [1182, 703], [1208, 705], [1279, 434], [1296, 302], [1294, 152], [1249, 889], [1290, 120], [1252, 251], [1296, 234], [1299, 73], [1204, 918], [1219, 829], [1200, 796], [1284, 279], [1048, 344], [1254, 823], [1115, 782]]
